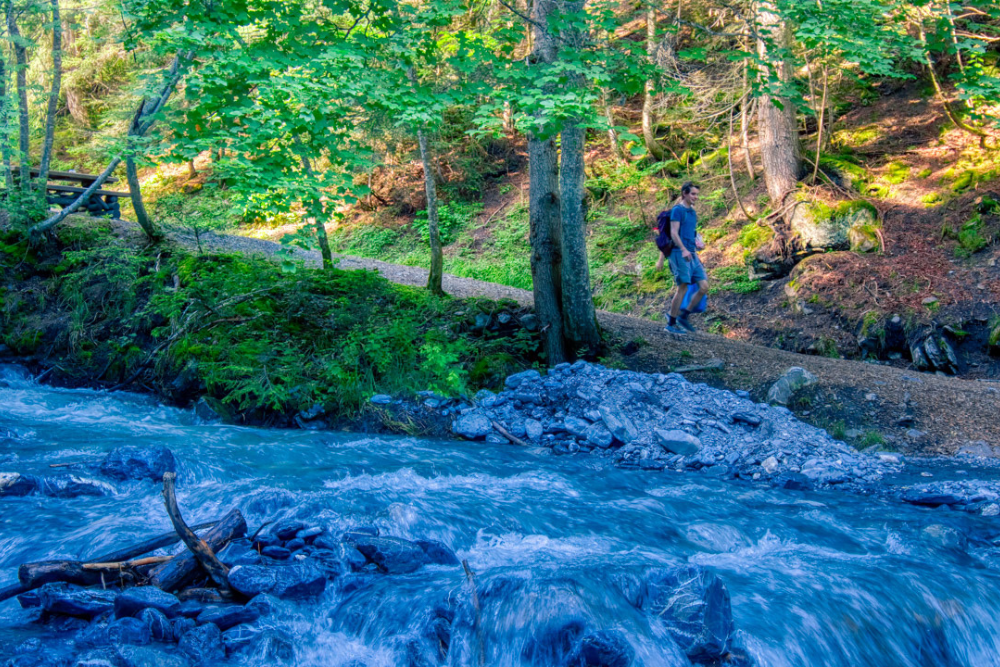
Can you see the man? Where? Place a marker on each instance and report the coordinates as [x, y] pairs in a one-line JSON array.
[[683, 260]]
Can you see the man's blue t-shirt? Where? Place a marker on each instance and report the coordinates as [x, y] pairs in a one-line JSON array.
[[688, 227]]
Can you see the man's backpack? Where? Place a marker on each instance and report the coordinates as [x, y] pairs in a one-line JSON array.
[[663, 239]]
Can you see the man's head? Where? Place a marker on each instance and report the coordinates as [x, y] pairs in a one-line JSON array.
[[689, 193]]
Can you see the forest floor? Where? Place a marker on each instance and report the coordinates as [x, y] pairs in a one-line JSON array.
[[866, 404]]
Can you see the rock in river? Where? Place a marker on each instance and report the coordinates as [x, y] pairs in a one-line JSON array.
[[151, 463], [472, 425]]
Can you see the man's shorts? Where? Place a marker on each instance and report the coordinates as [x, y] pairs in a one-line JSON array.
[[686, 272]]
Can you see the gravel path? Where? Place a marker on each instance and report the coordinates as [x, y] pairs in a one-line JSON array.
[[915, 412]]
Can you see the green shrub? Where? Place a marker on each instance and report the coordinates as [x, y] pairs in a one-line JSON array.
[[453, 217]]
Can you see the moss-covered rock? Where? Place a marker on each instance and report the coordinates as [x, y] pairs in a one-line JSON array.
[[818, 225]]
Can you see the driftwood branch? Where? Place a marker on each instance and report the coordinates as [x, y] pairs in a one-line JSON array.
[[202, 552], [180, 570], [471, 578], [127, 564], [507, 434]]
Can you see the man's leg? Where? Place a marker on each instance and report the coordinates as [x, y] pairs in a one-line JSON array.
[[675, 309], [696, 298]]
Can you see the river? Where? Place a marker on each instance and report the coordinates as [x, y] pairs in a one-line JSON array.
[[814, 578]]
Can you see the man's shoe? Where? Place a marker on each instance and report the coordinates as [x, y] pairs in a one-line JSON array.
[[674, 329], [684, 324]]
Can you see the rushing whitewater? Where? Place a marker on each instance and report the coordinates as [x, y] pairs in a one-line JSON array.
[[815, 578]]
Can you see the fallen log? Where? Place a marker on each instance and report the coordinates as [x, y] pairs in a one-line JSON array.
[[158, 542], [176, 572], [507, 434], [12, 590], [204, 554], [34, 575]]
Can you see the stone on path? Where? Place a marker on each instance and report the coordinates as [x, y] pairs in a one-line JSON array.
[[794, 379]]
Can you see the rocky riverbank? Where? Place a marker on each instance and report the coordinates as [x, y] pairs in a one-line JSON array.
[[665, 423]]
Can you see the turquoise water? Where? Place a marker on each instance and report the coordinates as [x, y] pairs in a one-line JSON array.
[[815, 579]]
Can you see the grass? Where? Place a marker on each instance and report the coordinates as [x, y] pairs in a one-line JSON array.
[[733, 279]]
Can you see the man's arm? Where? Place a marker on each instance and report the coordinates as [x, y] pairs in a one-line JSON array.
[[675, 234]]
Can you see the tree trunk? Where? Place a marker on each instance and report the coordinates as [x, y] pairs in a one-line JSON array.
[[73, 102], [50, 114], [135, 192], [616, 147], [779, 138], [745, 110], [8, 178], [437, 257], [579, 319], [543, 206], [648, 131], [21, 59]]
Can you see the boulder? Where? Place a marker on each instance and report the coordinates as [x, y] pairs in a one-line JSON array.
[[599, 436], [930, 498], [203, 645], [287, 529], [472, 425], [267, 646], [438, 552], [137, 463], [158, 624], [101, 657], [16, 484], [390, 555], [576, 426], [204, 409], [290, 582], [517, 379], [747, 418], [791, 381], [620, 426], [73, 600], [129, 631], [227, 616], [694, 606], [68, 485], [819, 226], [533, 429], [148, 656], [678, 442], [135, 599], [276, 552], [607, 648]]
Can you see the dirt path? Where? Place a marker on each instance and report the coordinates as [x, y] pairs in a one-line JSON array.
[[912, 412]]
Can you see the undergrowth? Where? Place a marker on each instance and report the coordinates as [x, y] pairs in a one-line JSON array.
[[264, 343]]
